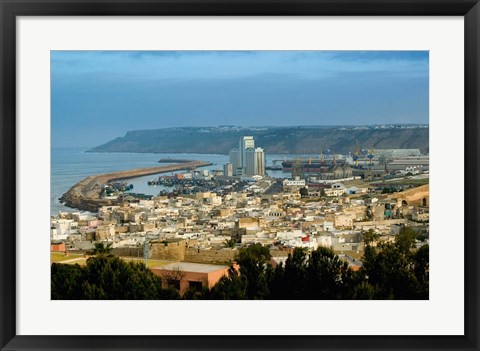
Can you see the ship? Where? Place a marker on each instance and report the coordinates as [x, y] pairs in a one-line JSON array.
[[308, 166], [274, 168]]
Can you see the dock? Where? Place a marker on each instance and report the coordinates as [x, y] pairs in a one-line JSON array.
[[85, 195]]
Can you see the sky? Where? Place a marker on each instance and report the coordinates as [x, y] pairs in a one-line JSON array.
[[97, 96]]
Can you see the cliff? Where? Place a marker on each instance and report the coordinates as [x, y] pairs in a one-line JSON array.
[[289, 140]]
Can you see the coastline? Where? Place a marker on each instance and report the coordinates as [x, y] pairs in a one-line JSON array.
[[85, 195]]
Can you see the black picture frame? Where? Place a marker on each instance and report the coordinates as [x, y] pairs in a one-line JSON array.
[[10, 10]]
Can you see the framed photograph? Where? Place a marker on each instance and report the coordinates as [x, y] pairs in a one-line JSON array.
[[239, 175]]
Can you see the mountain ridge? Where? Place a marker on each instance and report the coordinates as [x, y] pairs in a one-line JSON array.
[[274, 140]]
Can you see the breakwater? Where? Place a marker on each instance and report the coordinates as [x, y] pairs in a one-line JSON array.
[[85, 195]]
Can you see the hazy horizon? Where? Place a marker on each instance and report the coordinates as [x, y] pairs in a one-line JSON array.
[[100, 95]]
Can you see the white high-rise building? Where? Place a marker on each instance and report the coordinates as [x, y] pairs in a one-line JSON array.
[[259, 161], [247, 160], [245, 143]]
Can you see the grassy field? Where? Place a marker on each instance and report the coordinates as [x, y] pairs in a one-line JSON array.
[[150, 262], [415, 182], [58, 257], [80, 261], [356, 182]]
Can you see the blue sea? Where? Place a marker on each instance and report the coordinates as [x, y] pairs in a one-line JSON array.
[[70, 165]]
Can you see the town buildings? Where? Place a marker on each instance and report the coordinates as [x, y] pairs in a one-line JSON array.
[[207, 227], [197, 228]]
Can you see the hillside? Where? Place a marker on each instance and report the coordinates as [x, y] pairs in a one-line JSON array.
[[220, 140]]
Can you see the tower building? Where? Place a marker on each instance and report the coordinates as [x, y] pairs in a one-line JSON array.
[[247, 160]]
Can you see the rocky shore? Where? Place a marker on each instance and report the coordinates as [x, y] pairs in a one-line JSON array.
[[85, 195]]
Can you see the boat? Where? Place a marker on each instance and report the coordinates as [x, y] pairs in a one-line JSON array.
[[274, 168], [307, 166]]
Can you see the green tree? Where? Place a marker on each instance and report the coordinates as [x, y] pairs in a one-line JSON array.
[[397, 270], [303, 192], [66, 282], [101, 248], [231, 287], [230, 243], [108, 278], [421, 261], [405, 240], [320, 274], [369, 237], [295, 275], [363, 291], [254, 268], [325, 273]]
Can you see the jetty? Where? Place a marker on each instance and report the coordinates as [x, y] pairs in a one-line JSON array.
[[85, 195], [174, 160]]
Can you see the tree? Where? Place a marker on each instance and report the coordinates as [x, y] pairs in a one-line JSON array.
[[396, 270], [325, 273], [303, 192], [230, 243], [231, 287], [369, 237], [254, 267], [66, 282], [405, 240], [108, 278], [363, 291], [421, 268], [318, 275], [294, 285], [102, 249]]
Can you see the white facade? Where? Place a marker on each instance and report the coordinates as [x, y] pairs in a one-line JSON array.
[[259, 161], [324, 240], [247, 160], [62, 228], [294, 182], [246, 142], [328, 226], [335, 192]]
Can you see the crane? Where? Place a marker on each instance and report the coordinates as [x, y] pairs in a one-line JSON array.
[[356, 154], [370, 155]]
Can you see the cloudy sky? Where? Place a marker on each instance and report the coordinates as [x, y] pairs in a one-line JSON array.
[[99, 95]]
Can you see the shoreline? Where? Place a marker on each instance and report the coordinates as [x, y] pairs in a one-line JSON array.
[[85, 195]]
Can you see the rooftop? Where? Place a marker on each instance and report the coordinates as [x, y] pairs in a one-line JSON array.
[[192, 267]]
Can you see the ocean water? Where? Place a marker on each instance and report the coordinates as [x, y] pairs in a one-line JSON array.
[[70, 165]]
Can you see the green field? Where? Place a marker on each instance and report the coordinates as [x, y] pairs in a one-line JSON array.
[[150, 262], [80, 261], [415, 182], [58, 257]]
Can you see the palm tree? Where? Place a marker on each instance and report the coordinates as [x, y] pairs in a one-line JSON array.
[[102, 249], [230, 243]]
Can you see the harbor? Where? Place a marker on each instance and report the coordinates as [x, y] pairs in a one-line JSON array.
[[87, 194]]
